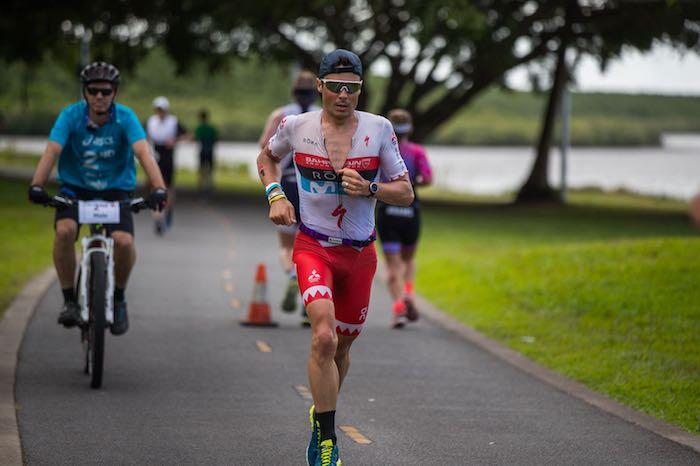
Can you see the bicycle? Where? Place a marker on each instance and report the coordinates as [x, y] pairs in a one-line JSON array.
[[94, 286]]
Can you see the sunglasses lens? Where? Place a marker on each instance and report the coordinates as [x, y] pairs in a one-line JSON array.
[[338, 87], [96, 90]]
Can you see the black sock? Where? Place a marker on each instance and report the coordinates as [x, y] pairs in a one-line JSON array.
[[118, 294], [68, 295], [326, 423]]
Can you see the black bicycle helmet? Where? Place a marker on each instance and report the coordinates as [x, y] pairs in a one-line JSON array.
[[99, 71]]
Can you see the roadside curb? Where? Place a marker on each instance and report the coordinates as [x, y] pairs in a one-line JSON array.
[[12, 327], [558, 381]]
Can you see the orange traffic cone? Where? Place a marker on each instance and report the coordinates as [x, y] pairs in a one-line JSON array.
[[259, 308]]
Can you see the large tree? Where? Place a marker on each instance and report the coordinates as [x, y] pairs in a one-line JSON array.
[[439, 55]]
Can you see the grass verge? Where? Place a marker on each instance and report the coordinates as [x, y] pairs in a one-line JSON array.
[[27, 239], [603, 290]]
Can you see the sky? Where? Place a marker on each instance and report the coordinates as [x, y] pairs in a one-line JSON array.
[[662, 70]]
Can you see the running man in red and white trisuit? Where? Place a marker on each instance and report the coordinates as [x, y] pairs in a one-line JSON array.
[[305, 95], [339, 154]]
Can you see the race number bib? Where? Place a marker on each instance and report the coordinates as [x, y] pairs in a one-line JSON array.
[[98, 212]]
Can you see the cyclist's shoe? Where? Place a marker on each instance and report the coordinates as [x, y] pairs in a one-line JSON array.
[[328, 454], [398, 318], [289, 303], [121, 319], [305, 322], [411, 311], [70, 314], [314, 443]]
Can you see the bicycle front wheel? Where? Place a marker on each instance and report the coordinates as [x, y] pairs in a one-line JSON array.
[[97, 303]]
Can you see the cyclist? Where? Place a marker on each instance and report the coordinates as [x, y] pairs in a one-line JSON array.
[[305, 93], [339, 155], [399, 227], [164, 130], [95, 141]]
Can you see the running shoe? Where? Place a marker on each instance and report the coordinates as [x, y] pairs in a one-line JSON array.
[[398, 318], [328, 454], [289, 303], [121, 319], [70, 314], [305, 321], [159, 227], [312, 449], [411, 311]]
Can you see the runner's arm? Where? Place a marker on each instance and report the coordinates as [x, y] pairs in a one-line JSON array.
[[46, 163], [143, 152], [271, 125], [425, 174], [281, 211], [397, 192]]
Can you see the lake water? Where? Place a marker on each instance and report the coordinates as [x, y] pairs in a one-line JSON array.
[[672, 170]]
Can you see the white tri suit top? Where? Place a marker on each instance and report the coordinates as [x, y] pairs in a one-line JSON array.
[[325, 207]]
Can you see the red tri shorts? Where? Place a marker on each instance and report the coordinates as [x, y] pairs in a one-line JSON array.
[[339, 273]]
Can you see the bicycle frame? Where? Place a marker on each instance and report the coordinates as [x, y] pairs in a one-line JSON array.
[[97, 241]]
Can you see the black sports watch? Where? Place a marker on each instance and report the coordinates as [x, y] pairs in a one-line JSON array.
[[373, 188]]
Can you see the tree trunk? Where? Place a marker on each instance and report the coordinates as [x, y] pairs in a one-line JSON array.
[[537, 187]]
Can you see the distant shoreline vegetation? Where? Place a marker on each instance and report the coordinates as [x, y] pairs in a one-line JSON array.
[[241, 97]]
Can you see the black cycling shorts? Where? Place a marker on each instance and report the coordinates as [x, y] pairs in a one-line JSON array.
[[126, 218], [164, 156], [398, 227]]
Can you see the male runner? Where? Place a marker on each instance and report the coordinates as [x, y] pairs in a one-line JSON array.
[[164, 131], [305, 94], [399, 227], [95, 142], [339, 154]]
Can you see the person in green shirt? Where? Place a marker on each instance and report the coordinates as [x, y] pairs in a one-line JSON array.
[[207, 136]]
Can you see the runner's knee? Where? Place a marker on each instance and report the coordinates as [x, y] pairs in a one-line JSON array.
[[324, 343]]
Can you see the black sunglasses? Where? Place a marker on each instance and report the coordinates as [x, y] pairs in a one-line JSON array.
[[105, 91]]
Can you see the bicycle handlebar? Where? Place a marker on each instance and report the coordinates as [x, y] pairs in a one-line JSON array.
[[137, 204]]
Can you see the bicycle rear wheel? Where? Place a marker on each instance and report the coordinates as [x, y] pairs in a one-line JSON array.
[[97, 301]]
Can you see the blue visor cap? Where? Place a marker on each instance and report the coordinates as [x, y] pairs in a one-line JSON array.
[[340, 61]]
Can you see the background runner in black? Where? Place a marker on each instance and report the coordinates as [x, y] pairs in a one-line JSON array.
[[399, 227]]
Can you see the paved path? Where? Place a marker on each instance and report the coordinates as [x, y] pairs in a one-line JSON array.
[[188, 385]]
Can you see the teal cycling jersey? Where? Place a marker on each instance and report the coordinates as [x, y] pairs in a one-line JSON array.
[[97, 157]]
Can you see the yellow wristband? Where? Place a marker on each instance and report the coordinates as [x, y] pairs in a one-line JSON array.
[[276, 197]]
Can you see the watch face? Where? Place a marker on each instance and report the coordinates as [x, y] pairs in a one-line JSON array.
[[374, 187]]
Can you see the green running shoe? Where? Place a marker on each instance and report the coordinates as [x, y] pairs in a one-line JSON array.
[[328, 454], [312, 449], [289, 303]]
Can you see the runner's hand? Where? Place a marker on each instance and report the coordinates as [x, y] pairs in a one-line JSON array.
[[282, 212], [37, 195], [353, 183], [158, 198]]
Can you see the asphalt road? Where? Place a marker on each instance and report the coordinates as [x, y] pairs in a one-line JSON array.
[[188, 385]]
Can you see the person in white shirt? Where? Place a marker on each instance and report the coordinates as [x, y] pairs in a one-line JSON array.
[[164, 131]]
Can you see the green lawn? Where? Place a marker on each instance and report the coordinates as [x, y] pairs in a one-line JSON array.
[[604, 291], [27, 239]]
